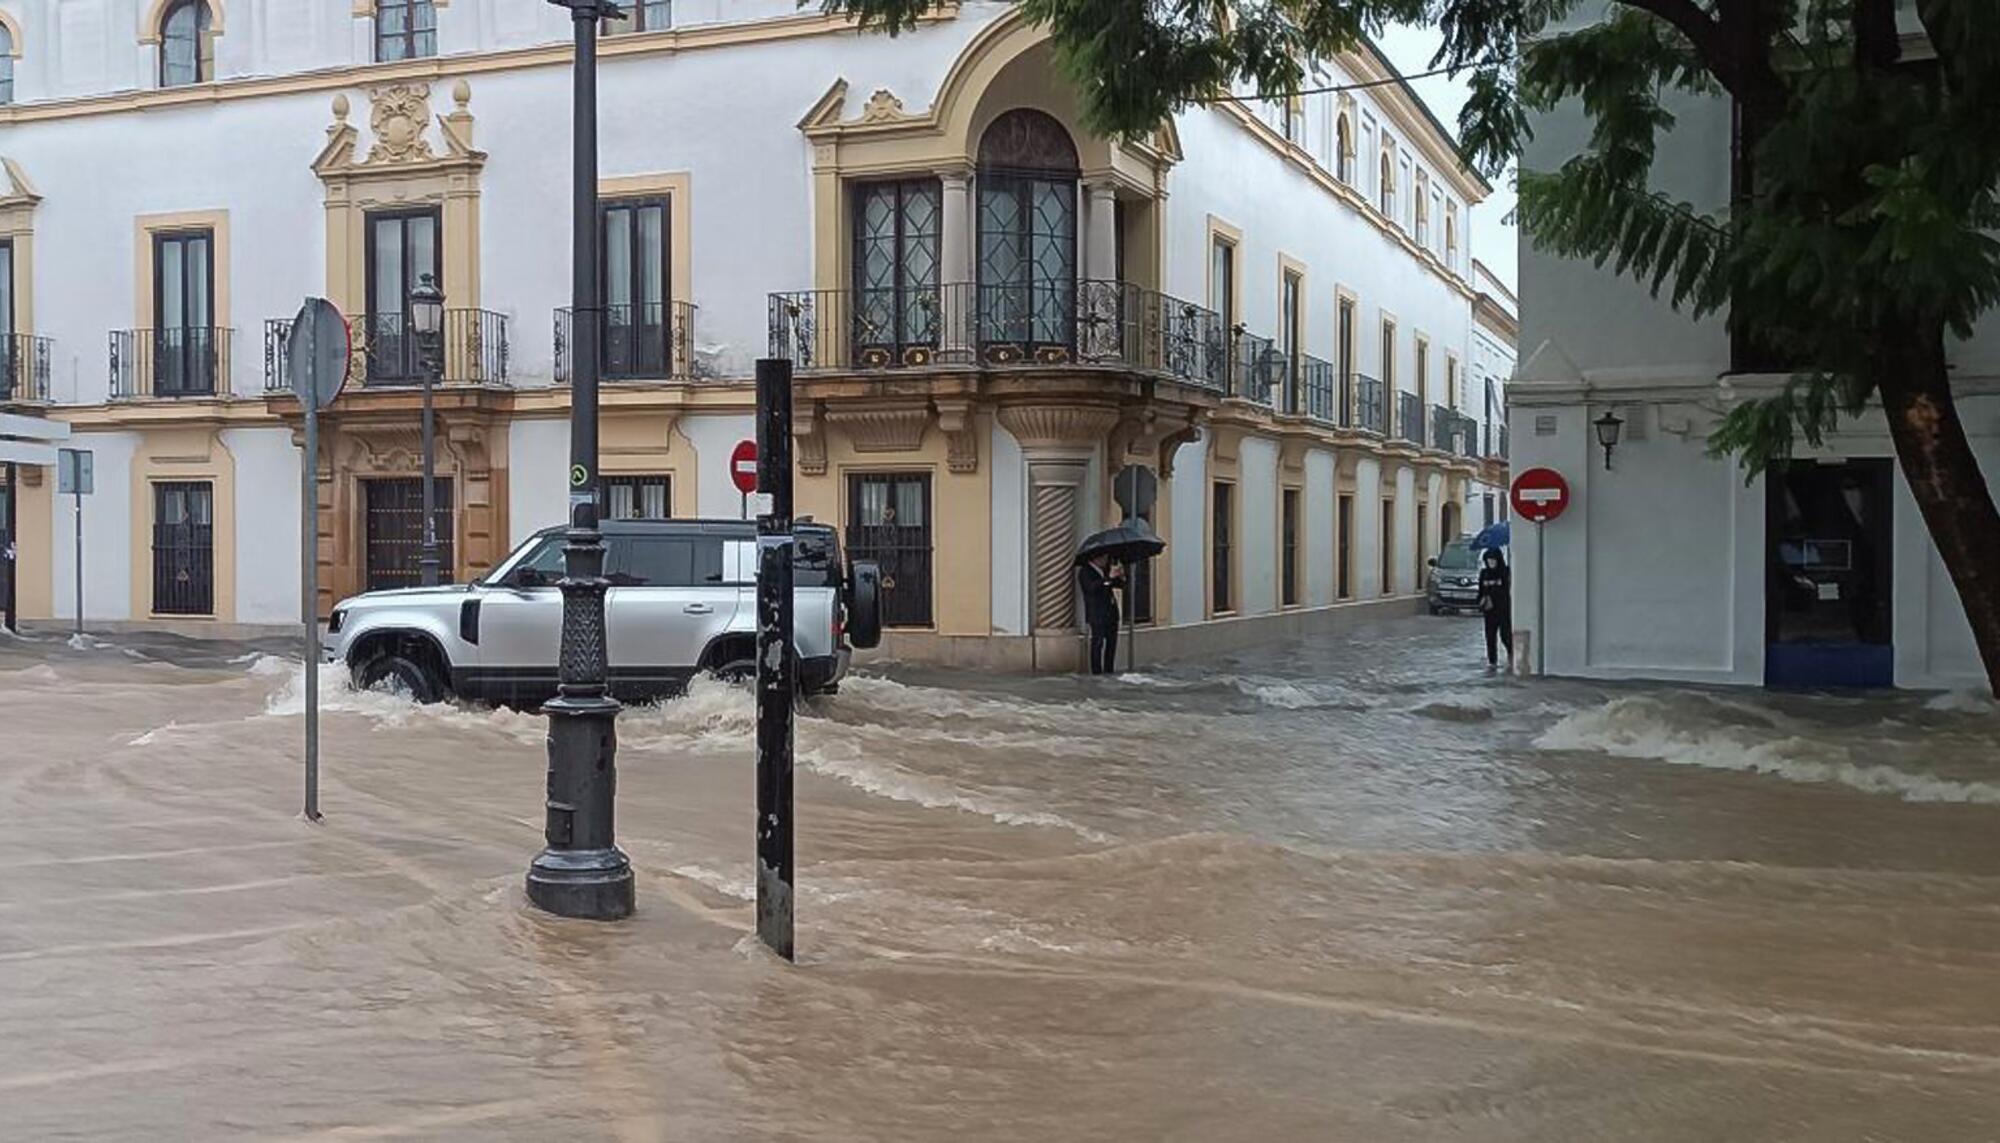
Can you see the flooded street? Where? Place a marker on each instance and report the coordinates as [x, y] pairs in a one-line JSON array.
[[1351, 889]]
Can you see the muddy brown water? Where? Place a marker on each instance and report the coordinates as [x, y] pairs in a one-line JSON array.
[[1349, 889]]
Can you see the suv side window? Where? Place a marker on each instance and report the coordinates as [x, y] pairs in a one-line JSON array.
[[664, 561]]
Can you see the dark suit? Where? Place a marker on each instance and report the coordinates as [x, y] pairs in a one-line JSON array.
[[1100, 611]]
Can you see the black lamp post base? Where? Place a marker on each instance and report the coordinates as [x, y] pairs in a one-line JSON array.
[[585, 884]]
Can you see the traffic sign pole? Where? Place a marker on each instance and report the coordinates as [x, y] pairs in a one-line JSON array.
[[1540, 495]]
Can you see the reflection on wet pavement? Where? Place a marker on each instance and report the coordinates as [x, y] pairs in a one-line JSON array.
[[1348, 889]]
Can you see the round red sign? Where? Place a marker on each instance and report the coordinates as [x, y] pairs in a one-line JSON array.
[[1539, 495], [743, 466]]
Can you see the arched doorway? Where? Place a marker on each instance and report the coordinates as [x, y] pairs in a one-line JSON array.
[[1450, 521], [1028, 174]]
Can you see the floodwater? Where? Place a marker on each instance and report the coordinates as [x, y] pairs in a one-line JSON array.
[[1350, 889]]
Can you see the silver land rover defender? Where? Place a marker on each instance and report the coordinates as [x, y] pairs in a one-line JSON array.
[[683, 600]]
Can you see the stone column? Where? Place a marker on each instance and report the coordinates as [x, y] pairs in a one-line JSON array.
[[1054, 529], [956, 228], [1057, 442], [1100, 254]]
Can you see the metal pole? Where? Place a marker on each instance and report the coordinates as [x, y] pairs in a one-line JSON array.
[[427, 562], [775, 657], [1541, 603], [76, 485], [8, 552], [309, 587], [581, 872]]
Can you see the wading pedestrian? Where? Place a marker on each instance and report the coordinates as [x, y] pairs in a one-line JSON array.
[[1496, 603]]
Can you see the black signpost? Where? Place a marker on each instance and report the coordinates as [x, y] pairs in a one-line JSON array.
[[318, 353], [775, 656]]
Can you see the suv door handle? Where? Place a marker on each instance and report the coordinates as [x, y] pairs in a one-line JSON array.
[[697, 609]]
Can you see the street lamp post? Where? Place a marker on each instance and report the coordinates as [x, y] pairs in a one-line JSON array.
[[581, 872], [426, 319]]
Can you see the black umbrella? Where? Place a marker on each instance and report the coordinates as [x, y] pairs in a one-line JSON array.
[[1129, 542]]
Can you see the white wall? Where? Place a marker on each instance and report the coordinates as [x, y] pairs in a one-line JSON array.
[[1257, 501], [1367, 563], [1010, 533], [1187, 551], [1319, 519], [1406, 531], [713, 438], [537, 464], [267, 499], [107, 532]]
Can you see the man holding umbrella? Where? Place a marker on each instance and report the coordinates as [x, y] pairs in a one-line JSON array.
[[1100, 573], [1101, 581]]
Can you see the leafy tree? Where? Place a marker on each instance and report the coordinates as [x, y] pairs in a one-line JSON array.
[[1858, 238]]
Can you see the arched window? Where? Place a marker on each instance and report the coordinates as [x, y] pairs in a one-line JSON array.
[[1386, 187], [6, 65], [186, 53], [1343, 149], [1028, 172], [1451, 235]]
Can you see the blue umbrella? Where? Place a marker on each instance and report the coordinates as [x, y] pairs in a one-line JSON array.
[[1491, 536]]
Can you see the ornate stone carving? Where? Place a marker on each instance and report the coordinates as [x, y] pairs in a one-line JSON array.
[[808, 439], [1171, 445], [882, 430], [882, 107], [1058, 426], [961, 434], [399, 115]]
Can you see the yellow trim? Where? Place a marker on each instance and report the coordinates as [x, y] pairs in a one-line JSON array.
[[1288, 265], [18, 201], [1232, 236], [1386, 362], [156, 10], [196, 454], [696, 38], [678, 189], [145, 226], [14, 37], [1420, 363]]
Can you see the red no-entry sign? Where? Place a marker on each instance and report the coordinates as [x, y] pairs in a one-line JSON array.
[[1539, 495], [743, 467]]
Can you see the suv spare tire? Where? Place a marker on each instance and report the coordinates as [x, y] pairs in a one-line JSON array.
[[864, 604]]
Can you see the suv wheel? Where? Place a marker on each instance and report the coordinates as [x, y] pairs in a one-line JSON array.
[[397, 675]]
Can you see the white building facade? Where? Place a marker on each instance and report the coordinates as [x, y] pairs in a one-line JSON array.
[[991, 311], [1668, 564]]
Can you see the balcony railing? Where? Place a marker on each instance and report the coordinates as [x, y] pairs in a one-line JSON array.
[[1371, 412], [1409, 418], [651, 342], [1453, 431], [383, 354], [24, 368], [1096, 323], [170, 364]]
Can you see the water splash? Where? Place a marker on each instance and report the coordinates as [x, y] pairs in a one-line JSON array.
[[1652, 729]]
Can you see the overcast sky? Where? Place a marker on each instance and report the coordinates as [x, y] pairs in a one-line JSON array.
[[1493, 237]]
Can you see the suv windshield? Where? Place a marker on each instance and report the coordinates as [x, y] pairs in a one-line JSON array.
[[1458, 557]]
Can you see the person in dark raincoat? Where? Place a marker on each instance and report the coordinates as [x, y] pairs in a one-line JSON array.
[[1100, 582], [1496, 603]]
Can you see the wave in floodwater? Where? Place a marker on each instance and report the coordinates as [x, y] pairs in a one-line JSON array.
[[1643, 727]]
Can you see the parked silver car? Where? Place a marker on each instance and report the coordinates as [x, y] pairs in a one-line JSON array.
[[683, 600], [1454, 578]]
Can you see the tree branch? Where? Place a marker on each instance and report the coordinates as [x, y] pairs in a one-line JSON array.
[[1700, 29]]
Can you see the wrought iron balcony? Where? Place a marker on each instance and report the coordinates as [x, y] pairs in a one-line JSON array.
[[181, 363], [1409, 418], [383, 353], [1371, 411], [1453, 431], [24, 369], [965, 325], [651, 342]]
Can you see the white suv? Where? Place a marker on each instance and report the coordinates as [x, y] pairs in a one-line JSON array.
[[683, 600]]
